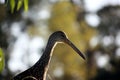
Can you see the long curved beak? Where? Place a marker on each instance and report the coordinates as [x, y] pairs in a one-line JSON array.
[[74, 48]]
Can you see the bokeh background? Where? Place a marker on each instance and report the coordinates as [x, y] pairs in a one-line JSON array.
[[92, 25]]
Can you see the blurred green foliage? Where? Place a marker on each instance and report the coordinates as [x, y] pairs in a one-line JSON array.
[[16, 6], [1, 60]]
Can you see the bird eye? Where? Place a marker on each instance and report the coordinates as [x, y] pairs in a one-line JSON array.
[[63, 36]]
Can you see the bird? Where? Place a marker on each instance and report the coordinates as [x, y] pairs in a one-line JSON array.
[[39, 70]]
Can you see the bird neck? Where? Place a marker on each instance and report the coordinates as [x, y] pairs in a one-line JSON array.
[[43, 63]]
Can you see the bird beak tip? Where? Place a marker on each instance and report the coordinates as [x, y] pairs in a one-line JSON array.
[[84, 58]]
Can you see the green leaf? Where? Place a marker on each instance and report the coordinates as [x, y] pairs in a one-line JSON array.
[[12, 5], [20, 2], [26, 5], [1, 60]]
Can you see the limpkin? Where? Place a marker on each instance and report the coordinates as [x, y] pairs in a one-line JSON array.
[[38, 71]]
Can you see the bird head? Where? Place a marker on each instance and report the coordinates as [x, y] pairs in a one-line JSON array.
[[60, 36]]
